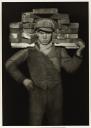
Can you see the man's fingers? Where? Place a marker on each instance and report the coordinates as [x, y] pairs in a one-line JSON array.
[[28, 83], [80, 44], [29, 87]]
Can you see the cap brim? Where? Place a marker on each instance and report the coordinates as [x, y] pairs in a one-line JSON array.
[[46, 29]]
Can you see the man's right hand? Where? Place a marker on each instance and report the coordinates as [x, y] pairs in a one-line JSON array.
[[28, 84]]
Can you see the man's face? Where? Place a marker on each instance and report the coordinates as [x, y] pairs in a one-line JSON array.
[[44, 37]]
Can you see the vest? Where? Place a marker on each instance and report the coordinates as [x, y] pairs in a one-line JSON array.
[[42, 70]]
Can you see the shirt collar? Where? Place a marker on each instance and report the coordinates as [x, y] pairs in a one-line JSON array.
[[39, 46]]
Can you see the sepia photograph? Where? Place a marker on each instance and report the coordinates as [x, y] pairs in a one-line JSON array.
[[45, 63]]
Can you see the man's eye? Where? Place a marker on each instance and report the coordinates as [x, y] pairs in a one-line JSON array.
[[41, 32]]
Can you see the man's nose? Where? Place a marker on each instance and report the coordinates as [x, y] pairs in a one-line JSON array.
[[44, 36]]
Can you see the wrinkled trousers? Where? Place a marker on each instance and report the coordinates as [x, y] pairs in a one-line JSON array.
[[46, 102]]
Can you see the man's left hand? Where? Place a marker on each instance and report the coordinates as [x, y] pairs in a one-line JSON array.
[[81, 46]]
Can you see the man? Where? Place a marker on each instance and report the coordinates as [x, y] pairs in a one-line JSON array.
[[44, 62]]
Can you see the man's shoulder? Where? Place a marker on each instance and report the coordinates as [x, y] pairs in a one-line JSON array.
[[59, 49]]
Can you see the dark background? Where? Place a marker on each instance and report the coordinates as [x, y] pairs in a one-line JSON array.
[[76, 86]]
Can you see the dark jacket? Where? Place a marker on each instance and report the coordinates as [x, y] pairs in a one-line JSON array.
[[42, 71]]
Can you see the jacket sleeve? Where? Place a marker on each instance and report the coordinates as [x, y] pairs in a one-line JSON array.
[[70, 64], [13, 62]]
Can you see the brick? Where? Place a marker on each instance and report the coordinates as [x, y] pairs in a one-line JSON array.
[[28, 25], [67, 36], [14, 37], [26, 40], [45, 11], [15, 25], [28, 30], [26, 35], [71, 28], [67, 43], [61, 18], [21, 45], [74, 25], [28, 17], [67, 40], [29, 38]]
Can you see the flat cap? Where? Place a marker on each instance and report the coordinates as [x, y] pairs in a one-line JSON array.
[[45, 25]]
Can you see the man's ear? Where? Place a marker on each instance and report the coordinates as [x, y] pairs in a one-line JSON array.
[[36, 34]]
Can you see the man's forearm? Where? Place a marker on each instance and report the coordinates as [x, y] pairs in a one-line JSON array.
[[70, 64]]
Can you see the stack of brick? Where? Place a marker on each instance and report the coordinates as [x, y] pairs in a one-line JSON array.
[[45, 11], [65, 27], [23, 32], [67, 32]]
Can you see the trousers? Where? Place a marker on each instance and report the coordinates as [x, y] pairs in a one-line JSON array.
[[46, 102]]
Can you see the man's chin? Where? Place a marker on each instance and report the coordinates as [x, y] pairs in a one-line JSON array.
[[44, 43]]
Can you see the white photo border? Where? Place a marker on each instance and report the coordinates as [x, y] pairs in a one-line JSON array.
[[1, 114]]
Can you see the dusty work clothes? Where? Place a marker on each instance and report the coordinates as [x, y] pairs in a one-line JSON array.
[[44, 70], [47, 102]]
